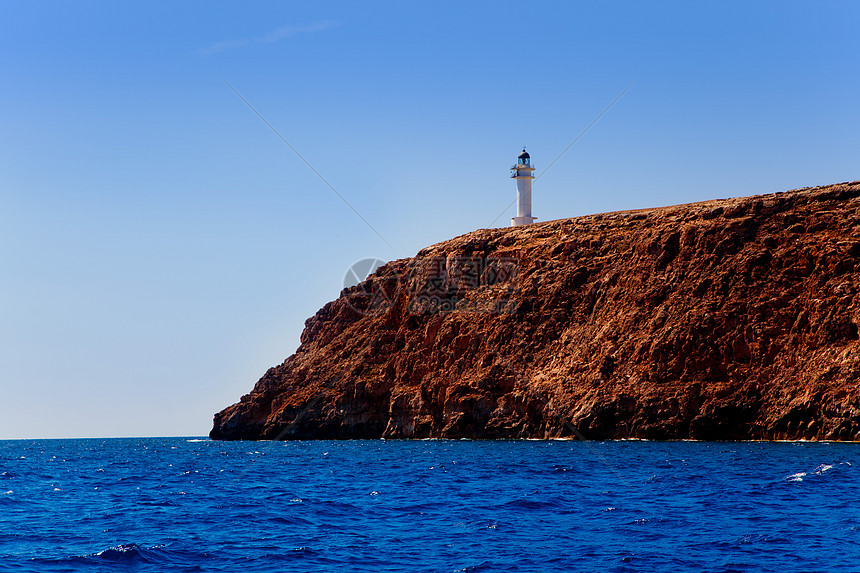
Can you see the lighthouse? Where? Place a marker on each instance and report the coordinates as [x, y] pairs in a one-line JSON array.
[[522, 172]]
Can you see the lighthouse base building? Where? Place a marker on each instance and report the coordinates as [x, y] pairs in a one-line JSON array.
[[522, 172]]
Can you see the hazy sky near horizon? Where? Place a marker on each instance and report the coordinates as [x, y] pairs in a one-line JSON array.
[[161, 247]]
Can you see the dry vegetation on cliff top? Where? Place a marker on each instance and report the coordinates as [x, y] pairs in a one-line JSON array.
[[727, 319]]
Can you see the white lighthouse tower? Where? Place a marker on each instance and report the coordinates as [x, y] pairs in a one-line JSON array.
[[522, 172]]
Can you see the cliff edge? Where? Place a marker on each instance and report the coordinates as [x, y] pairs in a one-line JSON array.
[[726, 319]]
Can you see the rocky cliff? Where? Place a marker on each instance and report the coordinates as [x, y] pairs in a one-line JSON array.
[[728, 319]]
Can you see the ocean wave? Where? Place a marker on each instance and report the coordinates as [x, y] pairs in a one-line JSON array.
[[483, 566], [289, 520], [125, 553], [530, 504], [817, 471], [129, 555]]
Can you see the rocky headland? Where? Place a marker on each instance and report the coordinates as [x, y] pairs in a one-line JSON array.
[[726, 319]]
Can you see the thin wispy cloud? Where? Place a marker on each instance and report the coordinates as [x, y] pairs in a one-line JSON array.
[[275, 35]]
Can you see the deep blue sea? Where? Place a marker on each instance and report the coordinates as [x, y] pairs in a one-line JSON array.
[[184, 504]]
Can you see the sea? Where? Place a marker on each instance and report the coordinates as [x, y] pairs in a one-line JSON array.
[[192, 504]]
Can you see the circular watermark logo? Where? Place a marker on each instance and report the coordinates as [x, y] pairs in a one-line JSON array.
[[369, 298], [360, 270]]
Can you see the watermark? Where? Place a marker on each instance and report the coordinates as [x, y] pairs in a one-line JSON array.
[[476, 284], [366, 297], [360, 270], [435, 285]]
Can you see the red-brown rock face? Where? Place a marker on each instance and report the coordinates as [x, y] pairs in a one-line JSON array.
[[729, 319]]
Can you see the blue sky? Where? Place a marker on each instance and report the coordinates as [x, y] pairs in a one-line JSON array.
[[160, 247]]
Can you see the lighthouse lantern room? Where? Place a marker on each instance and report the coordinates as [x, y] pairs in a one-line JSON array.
[[522, 172]]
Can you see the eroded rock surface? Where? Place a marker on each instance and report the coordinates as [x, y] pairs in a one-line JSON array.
[[728, 319]]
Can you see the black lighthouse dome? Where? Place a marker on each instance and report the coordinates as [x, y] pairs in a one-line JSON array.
[[523, 158]]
